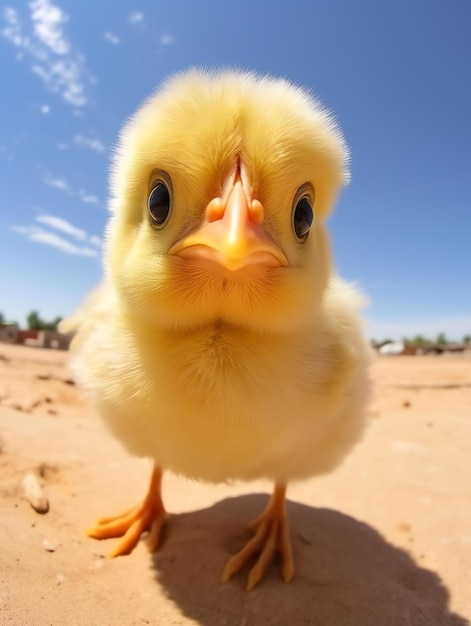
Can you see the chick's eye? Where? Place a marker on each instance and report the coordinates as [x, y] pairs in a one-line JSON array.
[[303, 217], [159, 204]]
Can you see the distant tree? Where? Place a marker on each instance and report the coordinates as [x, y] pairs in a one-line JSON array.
[[441, 339], [419, 340], [35, 322], [53, 324], [467, 339], [6, 322]]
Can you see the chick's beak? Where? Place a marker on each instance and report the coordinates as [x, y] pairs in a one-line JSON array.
[[232, 234]]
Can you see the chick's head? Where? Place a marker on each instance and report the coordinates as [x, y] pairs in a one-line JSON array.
[[220, 190]]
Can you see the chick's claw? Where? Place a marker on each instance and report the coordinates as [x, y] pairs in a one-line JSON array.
[[149, 516], [271, 536]]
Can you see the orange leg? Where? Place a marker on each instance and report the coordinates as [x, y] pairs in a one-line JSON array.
[[149, 516], [271, 535]]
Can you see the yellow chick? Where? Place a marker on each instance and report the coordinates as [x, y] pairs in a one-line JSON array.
[[221, 344]]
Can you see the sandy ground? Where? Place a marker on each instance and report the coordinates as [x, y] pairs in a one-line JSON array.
[[385, 540]]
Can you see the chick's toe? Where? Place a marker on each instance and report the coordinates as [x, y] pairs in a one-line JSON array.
[[271, 536], [149, 516]]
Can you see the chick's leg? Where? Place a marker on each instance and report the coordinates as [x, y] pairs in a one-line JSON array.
[[148, 516], [271, 536]]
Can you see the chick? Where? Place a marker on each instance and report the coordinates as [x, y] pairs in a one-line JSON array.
[[221, 343]]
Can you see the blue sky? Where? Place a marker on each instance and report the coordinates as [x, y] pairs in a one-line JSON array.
[[396, 75]]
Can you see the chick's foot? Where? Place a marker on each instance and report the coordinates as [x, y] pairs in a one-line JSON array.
[[149, 516], [271, 536]]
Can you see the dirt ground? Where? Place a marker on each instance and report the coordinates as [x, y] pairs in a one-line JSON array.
[[385, 540]]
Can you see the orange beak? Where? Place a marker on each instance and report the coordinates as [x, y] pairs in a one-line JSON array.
[[232, 234]]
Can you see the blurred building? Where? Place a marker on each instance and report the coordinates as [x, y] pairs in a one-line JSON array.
[[9, 333]]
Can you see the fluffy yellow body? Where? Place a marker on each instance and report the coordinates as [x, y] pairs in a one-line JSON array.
[[222, 402]]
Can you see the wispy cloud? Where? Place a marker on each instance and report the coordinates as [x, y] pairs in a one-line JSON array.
[[64, 76], [88, 198], [136, 18], [12, 31], [45, 109], [60, 68], [58, 223], [63, 185], [48, 20], [166, 40], [96, 241], [163, 42], [90, 142], [112, 38], [58, 183], [79, 242], [47, 237]]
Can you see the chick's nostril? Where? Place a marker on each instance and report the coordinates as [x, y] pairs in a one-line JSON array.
[[256, 211], [215, 210]]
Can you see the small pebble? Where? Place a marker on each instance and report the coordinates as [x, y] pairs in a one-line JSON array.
[[49, 546], [44, 376], [404, 527], [34, 493]]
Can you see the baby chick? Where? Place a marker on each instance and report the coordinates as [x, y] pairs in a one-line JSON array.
[[221, 344]]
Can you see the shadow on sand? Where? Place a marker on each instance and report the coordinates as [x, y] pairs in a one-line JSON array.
[[346, 573]]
